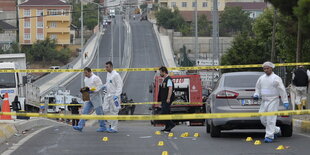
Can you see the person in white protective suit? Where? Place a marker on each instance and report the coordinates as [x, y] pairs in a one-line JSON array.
[[269, 87], [111, 104]]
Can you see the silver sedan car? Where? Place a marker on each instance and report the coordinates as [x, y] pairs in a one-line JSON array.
[[233, 94]]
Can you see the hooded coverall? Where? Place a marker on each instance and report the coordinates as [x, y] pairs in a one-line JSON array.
[[270, 88], [114, 85]]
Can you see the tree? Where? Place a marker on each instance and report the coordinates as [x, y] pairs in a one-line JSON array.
[[204, 26], [170, 19], [245, 49], [90, 15], [234, 20], [299, 11]]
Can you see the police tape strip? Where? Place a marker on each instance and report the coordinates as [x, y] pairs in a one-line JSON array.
[[162, 117], [152, 69], [142, 103]]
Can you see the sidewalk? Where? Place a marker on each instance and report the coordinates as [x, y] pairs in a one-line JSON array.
[[302, 123]]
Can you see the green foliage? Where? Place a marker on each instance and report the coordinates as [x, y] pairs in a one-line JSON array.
[[245, 50], [302, 11], [204, 26], [170, 19], [90, 15], [233, 21], [45, 51], [185, 61]]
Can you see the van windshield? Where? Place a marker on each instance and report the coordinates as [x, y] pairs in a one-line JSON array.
[[7, 80]]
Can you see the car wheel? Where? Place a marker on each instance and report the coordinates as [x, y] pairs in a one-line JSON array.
[[287, 130], [207, 127], [215, 130]]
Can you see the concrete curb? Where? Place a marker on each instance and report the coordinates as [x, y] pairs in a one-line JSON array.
[[301, 125], [10, 128], [6, 131]]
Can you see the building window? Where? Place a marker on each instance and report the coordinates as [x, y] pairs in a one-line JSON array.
[[54, 12], [204, 4], [27, 13], [39, 12], [39, 24], [40, 36], [184, 4], [53, 24], [27, 36], [66, 12], [194, 4], [27, 24], [53, 36], [173, 4]]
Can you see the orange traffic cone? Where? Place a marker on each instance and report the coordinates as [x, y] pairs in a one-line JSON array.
[[6, 107]]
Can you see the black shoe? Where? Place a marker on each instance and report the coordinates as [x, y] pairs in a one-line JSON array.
[[163, 130], [170, 127]]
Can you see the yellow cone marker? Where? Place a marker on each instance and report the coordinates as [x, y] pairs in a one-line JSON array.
[[160, 143], [105, 139], [157, 133], [164, 153], [170, 134], [186, 134], [249, 139], [196, 135], [257, 142], [281, 147]]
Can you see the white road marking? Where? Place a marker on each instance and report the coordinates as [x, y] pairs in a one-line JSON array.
[[301, 134], [21, 142]]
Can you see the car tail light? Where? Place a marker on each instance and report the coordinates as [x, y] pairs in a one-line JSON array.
[[227, 94]]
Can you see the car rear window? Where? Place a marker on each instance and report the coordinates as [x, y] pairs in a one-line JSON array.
[[243, 81]]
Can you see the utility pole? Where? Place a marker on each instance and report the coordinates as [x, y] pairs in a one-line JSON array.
[[82, 43], [215, 36], [273, 49], [196, 32], [112, 39], [119, 36]]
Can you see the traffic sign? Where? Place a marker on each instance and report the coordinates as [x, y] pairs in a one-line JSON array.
[[206, 62]]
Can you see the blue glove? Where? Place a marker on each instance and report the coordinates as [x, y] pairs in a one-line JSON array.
[[115, 98], [286, 105], [104, 87], [256, 97]]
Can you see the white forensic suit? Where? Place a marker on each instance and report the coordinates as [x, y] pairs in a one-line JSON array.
[[114, 86], [269, 88]]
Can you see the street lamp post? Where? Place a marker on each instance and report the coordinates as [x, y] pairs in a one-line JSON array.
[[82, 42]]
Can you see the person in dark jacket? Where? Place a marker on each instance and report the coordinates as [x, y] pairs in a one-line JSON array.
[[166, 97], [16, 104], [74, 110], [300, 85]]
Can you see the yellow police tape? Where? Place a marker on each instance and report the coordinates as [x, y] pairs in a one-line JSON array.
[[141, 103], [161, 117], [152, 69]]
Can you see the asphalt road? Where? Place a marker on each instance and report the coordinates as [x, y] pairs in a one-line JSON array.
[[135, 138], [146, 53], [104, 54]]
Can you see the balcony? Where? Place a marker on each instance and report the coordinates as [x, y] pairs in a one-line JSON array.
[[58, 18], [63, 41], [58, 30]]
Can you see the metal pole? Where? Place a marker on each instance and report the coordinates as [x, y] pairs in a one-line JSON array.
[[112, 42], [119, 41], [196, 32], [82, 42], [273, 49], [99, 33], [215, 35]]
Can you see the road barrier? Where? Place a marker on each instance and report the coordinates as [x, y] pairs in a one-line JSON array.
[[152, 69], [162, 117]]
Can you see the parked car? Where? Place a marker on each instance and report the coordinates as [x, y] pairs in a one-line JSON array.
[[233, 94]]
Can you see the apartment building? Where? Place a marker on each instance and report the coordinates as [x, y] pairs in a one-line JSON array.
[[41, 19], [187, 7]]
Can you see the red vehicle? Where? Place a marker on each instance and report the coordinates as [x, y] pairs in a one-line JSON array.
[[187, 88]]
